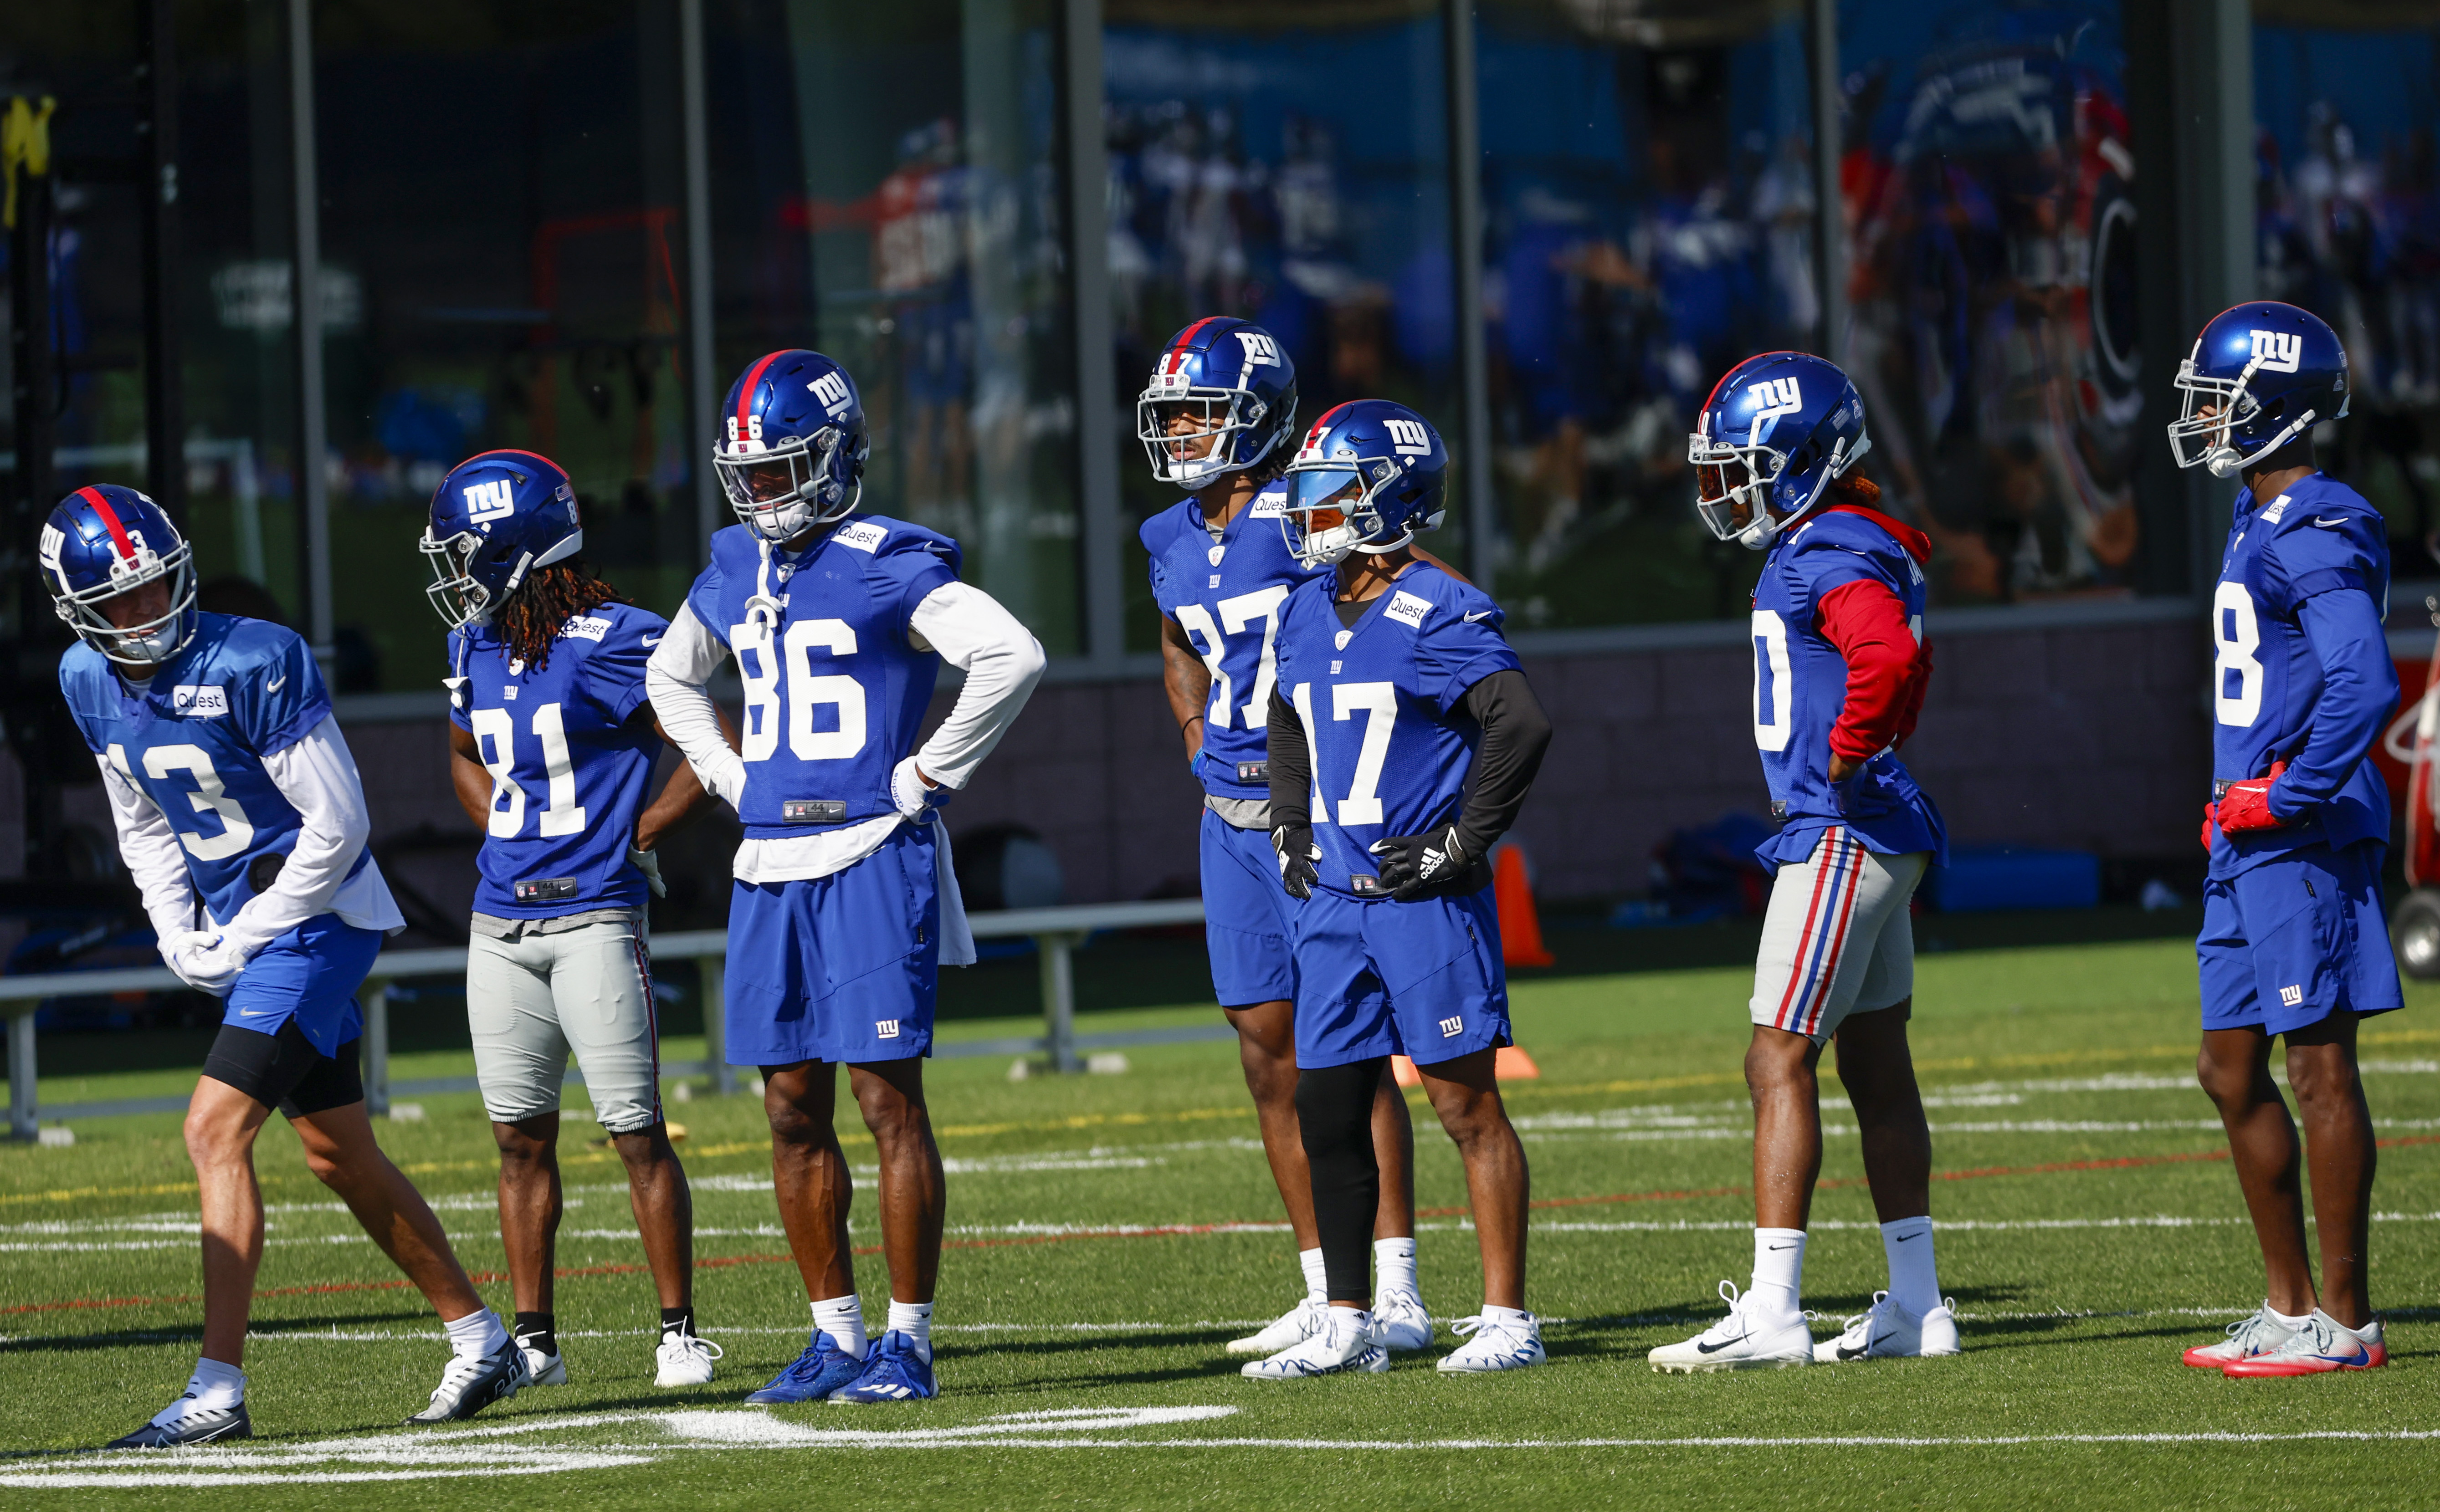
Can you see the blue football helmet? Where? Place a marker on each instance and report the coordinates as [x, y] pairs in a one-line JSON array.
[[1236, 386], [1774, 432], [497, 516], [104, 541], [793, 445], [1370, 476], [2260, 375]]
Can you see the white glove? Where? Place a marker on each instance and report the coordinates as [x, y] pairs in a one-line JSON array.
[[915, 798], [725, 780], [203, 960], [650, 865]]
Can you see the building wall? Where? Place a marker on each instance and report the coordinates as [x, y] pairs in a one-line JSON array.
[[2090, 737]]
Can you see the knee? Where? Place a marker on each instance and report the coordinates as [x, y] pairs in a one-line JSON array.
[[791, 1123], [1334, 1109], [211, 1140], [895, 1118], [1776, 1065], [2321, 1081], [2229, 1085]]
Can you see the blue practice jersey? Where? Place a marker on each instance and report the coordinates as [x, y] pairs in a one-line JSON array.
[[2301, 670], [194, 739], [1801, 687], [835, 692], [1225, 596], [568, 769], [1381, 708]]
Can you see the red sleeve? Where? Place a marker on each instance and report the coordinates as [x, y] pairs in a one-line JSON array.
[[1887, 672]]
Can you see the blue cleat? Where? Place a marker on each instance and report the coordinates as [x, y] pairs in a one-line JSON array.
[[892, 1373], [823, 1368]]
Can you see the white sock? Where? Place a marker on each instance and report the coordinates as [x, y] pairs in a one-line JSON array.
[[1316, 1286], [2290, 1324], [1395, 1261], [914, 1320], [842, 1318], [215, 1387], [1914, 1285], [1778, 1274], [1515, 1316], [477, 1334]]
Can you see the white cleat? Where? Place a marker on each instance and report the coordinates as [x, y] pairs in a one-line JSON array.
[[1400, 1322], [685, 1360], [1738, 1343], [1496, 1345], [1343, 1343], [473, 1382], [545, 1370], [1891, 1332], [1289, 1329]]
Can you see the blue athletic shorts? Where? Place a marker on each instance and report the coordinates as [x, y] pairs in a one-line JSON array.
[[308, 974], [839, 968], [1422, 979], [2290, 941], [1248, 916]]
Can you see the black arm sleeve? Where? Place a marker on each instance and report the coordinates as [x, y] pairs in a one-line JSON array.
[[1291, 765], [1516, 732]]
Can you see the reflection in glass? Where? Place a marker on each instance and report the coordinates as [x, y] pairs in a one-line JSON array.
[[932, 190], [1649, 199], [1987, 184], [2349, 221], [1288, 167]]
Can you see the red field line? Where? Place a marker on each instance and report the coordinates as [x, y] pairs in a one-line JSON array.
[[1174, 1230]]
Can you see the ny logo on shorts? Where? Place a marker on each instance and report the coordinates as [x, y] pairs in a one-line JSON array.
[[885, 1029], [2291, 996], [1451, 1029]]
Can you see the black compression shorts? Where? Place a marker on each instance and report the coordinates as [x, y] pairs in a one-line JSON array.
[[284, 1070]]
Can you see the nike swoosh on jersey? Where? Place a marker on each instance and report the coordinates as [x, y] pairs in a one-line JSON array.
[[649, 640], [1482, 613], [275, 683], [2339, 520]]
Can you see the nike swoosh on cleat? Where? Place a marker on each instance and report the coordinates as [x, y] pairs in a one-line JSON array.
[[1846, 1353], [1702, 1348]]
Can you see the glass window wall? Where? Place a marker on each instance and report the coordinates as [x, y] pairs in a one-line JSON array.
[[1287, 163]]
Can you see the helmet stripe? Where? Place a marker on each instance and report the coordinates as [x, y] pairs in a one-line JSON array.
[[1186, 339], [101, 503], [745, 392]]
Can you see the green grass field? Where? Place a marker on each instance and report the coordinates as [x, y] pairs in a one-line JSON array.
[[1111, 1232]]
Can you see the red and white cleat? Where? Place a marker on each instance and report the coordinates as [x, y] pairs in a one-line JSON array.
[[2247, 1337], [2323, 1345]]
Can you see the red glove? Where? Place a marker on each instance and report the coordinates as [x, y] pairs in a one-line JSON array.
[[2210, 824], [2245, 806]]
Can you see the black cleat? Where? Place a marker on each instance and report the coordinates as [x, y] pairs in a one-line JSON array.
[[201, 1425], [470, 1385]]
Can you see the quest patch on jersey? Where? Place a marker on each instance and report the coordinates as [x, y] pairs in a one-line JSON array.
[[1407, 610], [202, 703], [863, 535], [587, 626]]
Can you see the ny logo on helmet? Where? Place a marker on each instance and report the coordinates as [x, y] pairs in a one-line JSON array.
[[2278, 351], [1261, 352], [831, 388], [486, 502], [54, 542], [1773, 397], [1409, 438]]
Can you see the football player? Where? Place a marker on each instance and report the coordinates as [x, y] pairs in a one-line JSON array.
[[1403, 740], [2293, 944], [844, 903], [1840, 666], [551, 746], [1218, 415], [240, 817]]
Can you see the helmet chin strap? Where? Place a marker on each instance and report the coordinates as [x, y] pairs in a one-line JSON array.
[[2227, 462]]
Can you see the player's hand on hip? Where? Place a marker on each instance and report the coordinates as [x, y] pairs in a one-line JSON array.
[[2210, 824], [1415, 866], [1294, 846], [2244, 807], [725, 780], [650, 865], [915, 795]]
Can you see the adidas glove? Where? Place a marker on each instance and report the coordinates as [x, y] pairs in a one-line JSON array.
[[1415, 866], [2244, 807], [1296, 853]]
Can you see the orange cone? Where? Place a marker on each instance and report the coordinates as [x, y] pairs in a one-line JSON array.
[[1510, 1064], [1520, 925]]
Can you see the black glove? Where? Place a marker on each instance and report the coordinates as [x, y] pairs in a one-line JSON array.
[[1415, 866], [1296, 853]]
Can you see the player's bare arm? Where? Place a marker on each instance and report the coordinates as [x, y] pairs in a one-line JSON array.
[[1188, 682]]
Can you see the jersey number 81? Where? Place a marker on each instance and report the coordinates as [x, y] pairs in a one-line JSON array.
[[2237, 673]]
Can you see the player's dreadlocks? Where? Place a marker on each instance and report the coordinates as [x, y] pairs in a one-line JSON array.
[[544, 602], [1855, 488]]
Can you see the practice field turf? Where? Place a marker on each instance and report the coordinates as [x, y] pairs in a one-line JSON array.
[[1110, 1232]]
